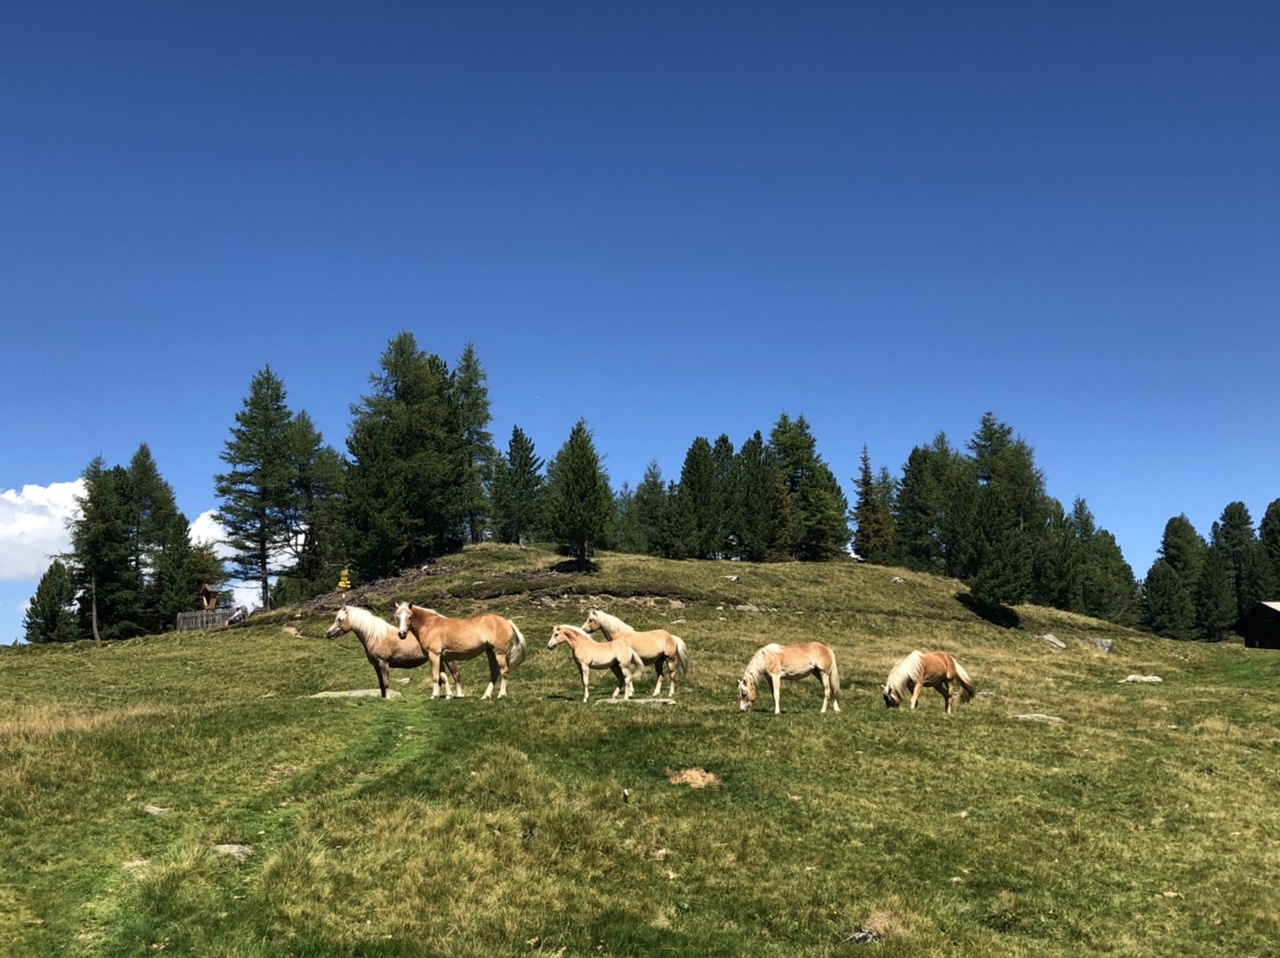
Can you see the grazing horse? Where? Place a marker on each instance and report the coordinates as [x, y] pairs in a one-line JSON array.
[[382, 643], [919, 670], [615, 655], [779, 662], [657, 647], [443, 638]]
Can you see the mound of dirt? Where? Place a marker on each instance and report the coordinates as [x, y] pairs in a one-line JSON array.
[[694, 778]]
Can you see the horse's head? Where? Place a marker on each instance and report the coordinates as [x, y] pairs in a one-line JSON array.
[[746, 694], [891, 697], [341, 624], [593, 622], [403, 612], [558, 636]]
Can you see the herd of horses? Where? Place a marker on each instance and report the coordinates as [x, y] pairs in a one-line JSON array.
[[420, 636]]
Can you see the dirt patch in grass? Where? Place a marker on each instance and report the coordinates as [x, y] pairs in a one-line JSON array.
[[695, 778]]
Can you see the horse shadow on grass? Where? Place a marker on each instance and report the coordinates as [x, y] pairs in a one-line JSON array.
[[998, 615]]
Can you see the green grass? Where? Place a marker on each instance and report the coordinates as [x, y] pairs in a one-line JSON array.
[[1145, 824]]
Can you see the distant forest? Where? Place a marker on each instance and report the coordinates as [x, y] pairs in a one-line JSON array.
[[422, 476]]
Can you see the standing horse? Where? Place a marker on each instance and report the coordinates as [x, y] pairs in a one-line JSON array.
[[936, 670], [779, 662], [382, 643], [615, 655], [657, 647], [443, 638]]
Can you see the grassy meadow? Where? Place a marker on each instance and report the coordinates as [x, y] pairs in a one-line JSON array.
[[1145, 823]]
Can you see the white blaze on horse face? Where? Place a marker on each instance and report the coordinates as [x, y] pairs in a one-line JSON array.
[[555, 638], [339, 624]]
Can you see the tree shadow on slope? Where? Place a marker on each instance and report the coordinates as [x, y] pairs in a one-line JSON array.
[[998, 615]]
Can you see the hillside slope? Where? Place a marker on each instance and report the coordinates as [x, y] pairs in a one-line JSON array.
[[1140, 824]]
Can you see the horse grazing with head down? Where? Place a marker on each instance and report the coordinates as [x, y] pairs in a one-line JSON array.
[[778, 662], [657, 647], [589, 654], [919, 670], [443, 639], [383, 646]]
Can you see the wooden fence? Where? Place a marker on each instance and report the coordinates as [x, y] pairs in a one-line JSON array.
[[203, 619]]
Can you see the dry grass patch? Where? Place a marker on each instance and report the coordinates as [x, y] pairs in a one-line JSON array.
[[695, 778], [36, 723]]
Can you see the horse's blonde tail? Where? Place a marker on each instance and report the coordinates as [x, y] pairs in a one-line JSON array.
[[682, 657], [967, 690], [515, 654]]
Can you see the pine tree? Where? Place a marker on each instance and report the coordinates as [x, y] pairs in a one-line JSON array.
[[317, 540], [408, 476], [578, 494], [518, 490], [701, 495], [922, 509], [51, 616], [178, 582], [258, 493], [873, 538], [102, 559], [472, 397], [154, 510], [723, 459], [1269, 536], [649, 510], [1233, 537]]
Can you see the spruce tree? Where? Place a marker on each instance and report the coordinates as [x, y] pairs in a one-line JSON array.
[[472, 397], [518, 490], [1167, 605], [317, 540], [178, 581], [1233, 537], [1214, 596], [153, 511], [649, 510], [923, 507], [258, 492], [103, 555], [760, 511], [702, 496], [1269, 536], [818, 507], [578, 495], [408, 475], [51, 616], [873, 536], [722, 457]]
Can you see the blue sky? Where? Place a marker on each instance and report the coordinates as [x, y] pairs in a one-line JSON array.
[[670, 219]]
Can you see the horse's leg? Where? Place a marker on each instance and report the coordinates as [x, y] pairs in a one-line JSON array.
[[435, 674], [500, 661], [915, 692], [945, 688], [826, 688], [623, 680], [775, 682], [586, 680], [493, 674], [457, 676], [657, 667], [384, 676]]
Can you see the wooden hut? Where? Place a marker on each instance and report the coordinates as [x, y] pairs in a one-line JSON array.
[[208, 597], [1260, 626]]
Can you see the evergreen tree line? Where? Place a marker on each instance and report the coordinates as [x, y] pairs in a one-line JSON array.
[[1199, 589], [421, 476], [131, 567]]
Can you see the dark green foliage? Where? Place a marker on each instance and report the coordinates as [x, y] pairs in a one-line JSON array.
[[873, 538], [1269, 536], [1214, 596], [1168, 606], [640, 514], [409, 475], [177, 578], [928, 506], [1183, 548], [760, 515], [154, 511], [1232, 536], [700, 496], [519, 490], [51, 616], [579, 499], [103, 555], [258, 492], [472, 397], [317, 543], [818, 508]]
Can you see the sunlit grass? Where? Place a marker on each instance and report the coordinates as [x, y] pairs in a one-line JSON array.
[[1143, 824]]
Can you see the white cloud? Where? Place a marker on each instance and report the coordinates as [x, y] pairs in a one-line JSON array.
[[33, 527]]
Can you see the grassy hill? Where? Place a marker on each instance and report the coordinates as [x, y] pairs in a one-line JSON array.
[[1146, 822]]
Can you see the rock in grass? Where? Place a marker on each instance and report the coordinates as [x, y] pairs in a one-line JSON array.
[[357, 694], [238, 852], [1149, 679], [1052, 640], [1040, 717]]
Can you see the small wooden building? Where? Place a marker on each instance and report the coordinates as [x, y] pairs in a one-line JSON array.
[[208, 597], [1260, 626]]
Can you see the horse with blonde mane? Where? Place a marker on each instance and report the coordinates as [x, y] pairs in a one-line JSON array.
[[383, 646], [615, 655], [657, 647], [778, 662], [919, 670], [443, 638]]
